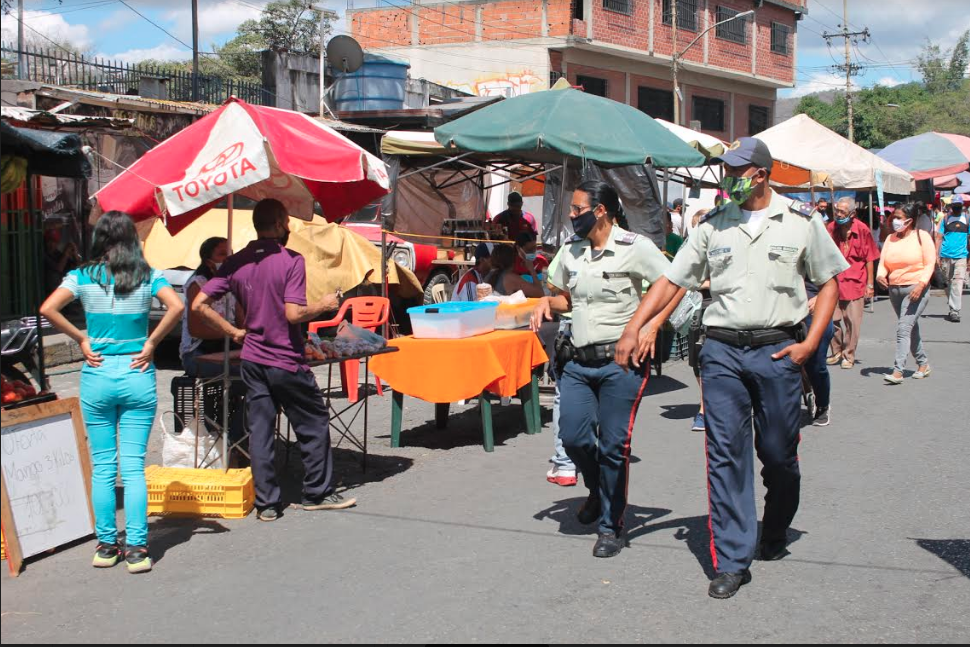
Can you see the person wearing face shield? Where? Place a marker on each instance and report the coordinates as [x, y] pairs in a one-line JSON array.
[[598, 277], [856, 284], [756, 249], [269, 281]]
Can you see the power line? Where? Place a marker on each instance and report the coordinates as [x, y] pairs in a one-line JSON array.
[[170, 34]]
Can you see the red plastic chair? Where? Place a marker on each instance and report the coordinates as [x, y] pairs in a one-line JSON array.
[[369, 313]]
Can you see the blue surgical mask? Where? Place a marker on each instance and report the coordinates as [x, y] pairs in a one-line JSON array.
[[843, 221], [531, 257]]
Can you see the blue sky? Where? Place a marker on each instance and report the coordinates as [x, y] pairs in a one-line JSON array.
[[110, 28]]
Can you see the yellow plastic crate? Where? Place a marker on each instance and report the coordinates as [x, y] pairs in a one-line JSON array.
[[200, 492]]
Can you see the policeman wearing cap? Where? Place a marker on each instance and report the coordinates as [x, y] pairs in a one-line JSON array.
[[756, 250], [600, 276]]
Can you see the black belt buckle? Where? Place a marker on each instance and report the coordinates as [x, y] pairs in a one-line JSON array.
[[745, 338]]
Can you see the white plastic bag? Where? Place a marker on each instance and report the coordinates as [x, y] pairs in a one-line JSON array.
[[683, 314], [510, 300], [179, 450]]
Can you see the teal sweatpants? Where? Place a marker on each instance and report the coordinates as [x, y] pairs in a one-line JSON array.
[[119, 405]]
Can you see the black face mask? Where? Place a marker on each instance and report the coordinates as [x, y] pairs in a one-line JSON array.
[[583, 223]]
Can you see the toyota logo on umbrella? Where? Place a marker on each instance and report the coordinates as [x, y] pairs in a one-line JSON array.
[[224, 158]]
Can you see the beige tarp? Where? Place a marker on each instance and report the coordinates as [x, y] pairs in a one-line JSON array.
[[783, 173], [406, 142], [809, 144], [335, 256]]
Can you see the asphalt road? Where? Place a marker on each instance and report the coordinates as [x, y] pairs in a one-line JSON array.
[[449, 543]]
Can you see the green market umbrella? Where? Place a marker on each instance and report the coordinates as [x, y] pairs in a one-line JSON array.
[[565, 123]]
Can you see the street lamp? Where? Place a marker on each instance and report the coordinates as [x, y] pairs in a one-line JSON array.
[[676, 56]]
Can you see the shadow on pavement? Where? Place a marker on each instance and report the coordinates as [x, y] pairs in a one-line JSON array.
[[663, 384], [679, 411], [955, 552], [165, 533], [879, 371], [347, 471], [465, 427]]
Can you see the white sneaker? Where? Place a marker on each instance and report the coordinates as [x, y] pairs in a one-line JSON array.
[[561, 476]]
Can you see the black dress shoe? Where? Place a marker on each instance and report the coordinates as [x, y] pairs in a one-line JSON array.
[[608, 545], [725, 585], [590, 511], [771, 551]]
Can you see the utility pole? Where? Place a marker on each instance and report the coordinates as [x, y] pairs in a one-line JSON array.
[[21, 57], [673, 60], [195, 50], [744, 15], [850, 68]]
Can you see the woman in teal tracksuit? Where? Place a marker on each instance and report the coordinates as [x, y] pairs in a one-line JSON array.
[[118, 395]]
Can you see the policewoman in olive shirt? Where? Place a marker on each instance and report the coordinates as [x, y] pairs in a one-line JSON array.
[[601, 275]]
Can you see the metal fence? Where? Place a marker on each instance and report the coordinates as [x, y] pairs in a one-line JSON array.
[[57, 67]]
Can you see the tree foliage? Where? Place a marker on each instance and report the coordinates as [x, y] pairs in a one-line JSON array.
[[882, 115], [284, 26]]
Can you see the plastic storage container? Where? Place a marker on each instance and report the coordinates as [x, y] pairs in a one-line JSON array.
[[452, 320], [200, 492], [379, 84], [510, 317]]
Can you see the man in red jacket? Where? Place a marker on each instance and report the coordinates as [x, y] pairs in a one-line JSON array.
[[855, 284]]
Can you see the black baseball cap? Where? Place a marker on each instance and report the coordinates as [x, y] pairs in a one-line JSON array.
[[481, 251], [515, 198], [747, 150]]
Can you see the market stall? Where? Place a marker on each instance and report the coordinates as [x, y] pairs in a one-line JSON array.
[[28, 153], [254, 151], [809, 144]]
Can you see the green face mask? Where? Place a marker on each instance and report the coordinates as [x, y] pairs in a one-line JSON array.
[[738, 189]]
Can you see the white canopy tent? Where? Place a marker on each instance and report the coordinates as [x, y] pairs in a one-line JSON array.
[[809, 144]]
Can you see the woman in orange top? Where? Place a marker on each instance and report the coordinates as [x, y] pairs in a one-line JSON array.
[[908, 259]]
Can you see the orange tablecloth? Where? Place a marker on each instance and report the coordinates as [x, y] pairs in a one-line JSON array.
[[448, 370]]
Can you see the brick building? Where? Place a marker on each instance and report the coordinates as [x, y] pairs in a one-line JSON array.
[[616, 48]]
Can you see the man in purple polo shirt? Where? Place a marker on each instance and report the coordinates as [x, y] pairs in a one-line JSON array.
[[269, 281]]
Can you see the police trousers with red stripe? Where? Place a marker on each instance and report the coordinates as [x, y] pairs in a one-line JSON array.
[[741, 384], [598, 405]]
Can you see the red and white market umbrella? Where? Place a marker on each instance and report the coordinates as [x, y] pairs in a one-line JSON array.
[[255, 151]]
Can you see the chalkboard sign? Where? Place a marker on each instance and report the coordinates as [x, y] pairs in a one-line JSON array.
[[46, 499]]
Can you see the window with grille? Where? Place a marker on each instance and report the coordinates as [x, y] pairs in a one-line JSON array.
[[554, 76], [779, 38], [619, 6], [710, 112], [592, 85], [734, 31], [686, 14], [757, 119], [578, 9], [659, 104]]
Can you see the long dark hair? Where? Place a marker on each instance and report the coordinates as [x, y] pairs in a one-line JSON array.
[[601, 193], [115, 248], [206, 250]]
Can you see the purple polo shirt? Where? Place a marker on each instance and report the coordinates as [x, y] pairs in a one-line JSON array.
[[263, 277]]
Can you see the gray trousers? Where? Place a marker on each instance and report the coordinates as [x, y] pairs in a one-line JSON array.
[[955, 271], [908, 339]]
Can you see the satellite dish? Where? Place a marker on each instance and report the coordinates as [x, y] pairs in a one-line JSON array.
[[345, 54]]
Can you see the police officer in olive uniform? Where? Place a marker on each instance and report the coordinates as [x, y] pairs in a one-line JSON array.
[[601, 274], [756, 251]]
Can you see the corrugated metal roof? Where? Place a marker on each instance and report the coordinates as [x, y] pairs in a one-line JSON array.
[[126, 100], [347, 127], [26, 115]]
